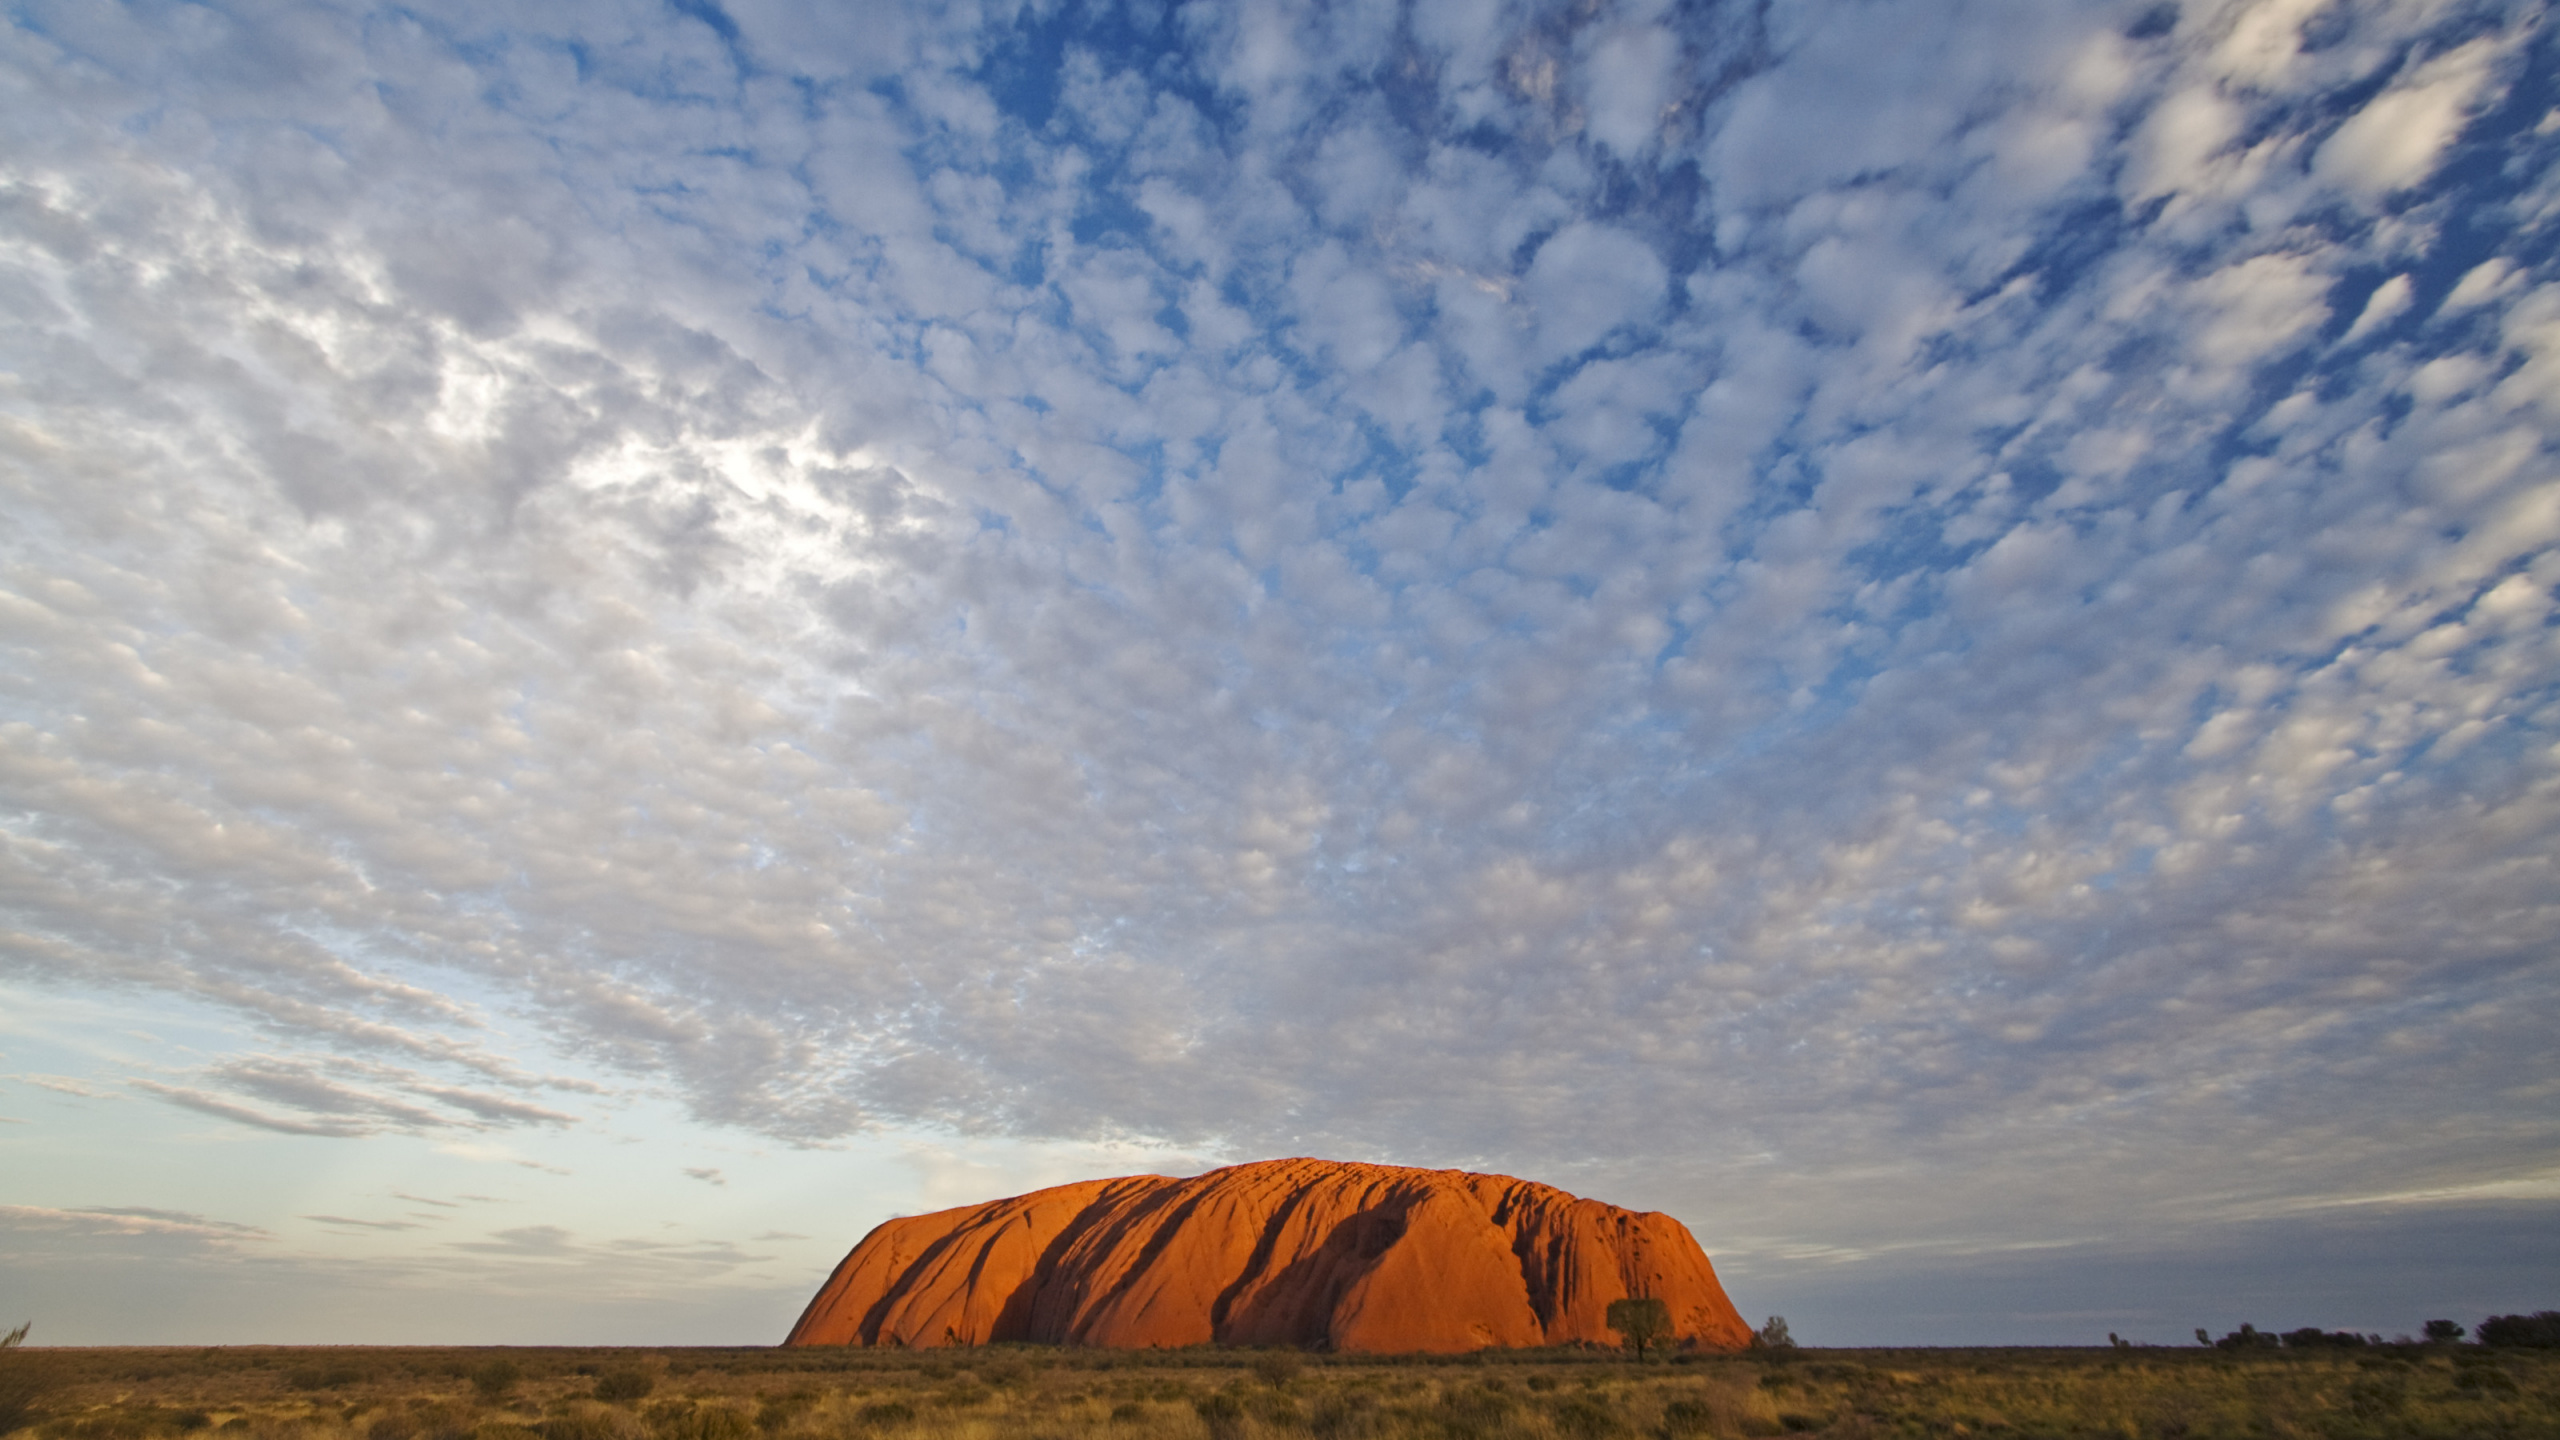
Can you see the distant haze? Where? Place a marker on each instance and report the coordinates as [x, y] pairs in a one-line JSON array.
[[635, 635]]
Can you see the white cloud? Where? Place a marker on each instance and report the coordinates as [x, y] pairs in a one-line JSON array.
[[733, 582], [1586, 281], [1628, 82], [2380, 308], [2255, 308], [2400, 135]]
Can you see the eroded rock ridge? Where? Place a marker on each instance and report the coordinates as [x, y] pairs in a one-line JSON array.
[[1315, 1253]]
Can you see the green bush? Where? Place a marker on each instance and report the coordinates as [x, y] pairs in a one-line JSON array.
[[496, 1379]]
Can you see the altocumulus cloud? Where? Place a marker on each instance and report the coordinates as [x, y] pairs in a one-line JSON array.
[[1925, 619]]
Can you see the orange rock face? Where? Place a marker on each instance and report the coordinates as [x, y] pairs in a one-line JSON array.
[[1314, 1253]]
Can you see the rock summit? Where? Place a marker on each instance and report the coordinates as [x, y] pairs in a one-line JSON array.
[[1320, 1254]]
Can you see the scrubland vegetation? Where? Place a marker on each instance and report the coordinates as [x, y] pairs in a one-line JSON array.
[[1024, 1393]]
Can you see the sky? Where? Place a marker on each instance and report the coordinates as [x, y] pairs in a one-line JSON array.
[[635, 635]]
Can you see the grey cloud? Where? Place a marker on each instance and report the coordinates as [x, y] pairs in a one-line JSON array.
[[208, 1104], [528, 1240], [330, 1102], [494, 1108], [301, 1087], [63, 1085], [345, 1222], [28, 1232], [557, 1250]]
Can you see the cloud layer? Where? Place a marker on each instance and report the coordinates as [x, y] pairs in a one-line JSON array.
[[1746, 597]]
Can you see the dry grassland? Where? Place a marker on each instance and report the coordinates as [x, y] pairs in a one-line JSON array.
[[1010, 1393]]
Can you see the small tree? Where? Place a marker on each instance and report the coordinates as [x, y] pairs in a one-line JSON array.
[[1641, 1322], [2443, 1332], [1774, 1336]]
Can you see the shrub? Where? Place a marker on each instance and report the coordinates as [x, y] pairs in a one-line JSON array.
[[2312, 1337], [24, 1382], [1340, 1416], [580, 1425], [2443, 1332], [1583, 1418], [1221, 1412], [2247, 1337], [2483, 1380], [119, 1424], [2378, 1398], [2537, 1331], [1276, 1368], [624, 1383], [496, 1379], [1687, 1417], [777, 1413], [884, 1413], [708, 1422], [1773, 1336], [1475, 1409]]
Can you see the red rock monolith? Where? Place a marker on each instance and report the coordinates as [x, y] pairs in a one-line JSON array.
[[1321, 1254]]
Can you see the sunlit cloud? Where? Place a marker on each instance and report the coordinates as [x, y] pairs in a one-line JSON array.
[[1882, 630]]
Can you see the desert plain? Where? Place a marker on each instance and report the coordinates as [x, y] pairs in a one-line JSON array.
[[1015, 1392]]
